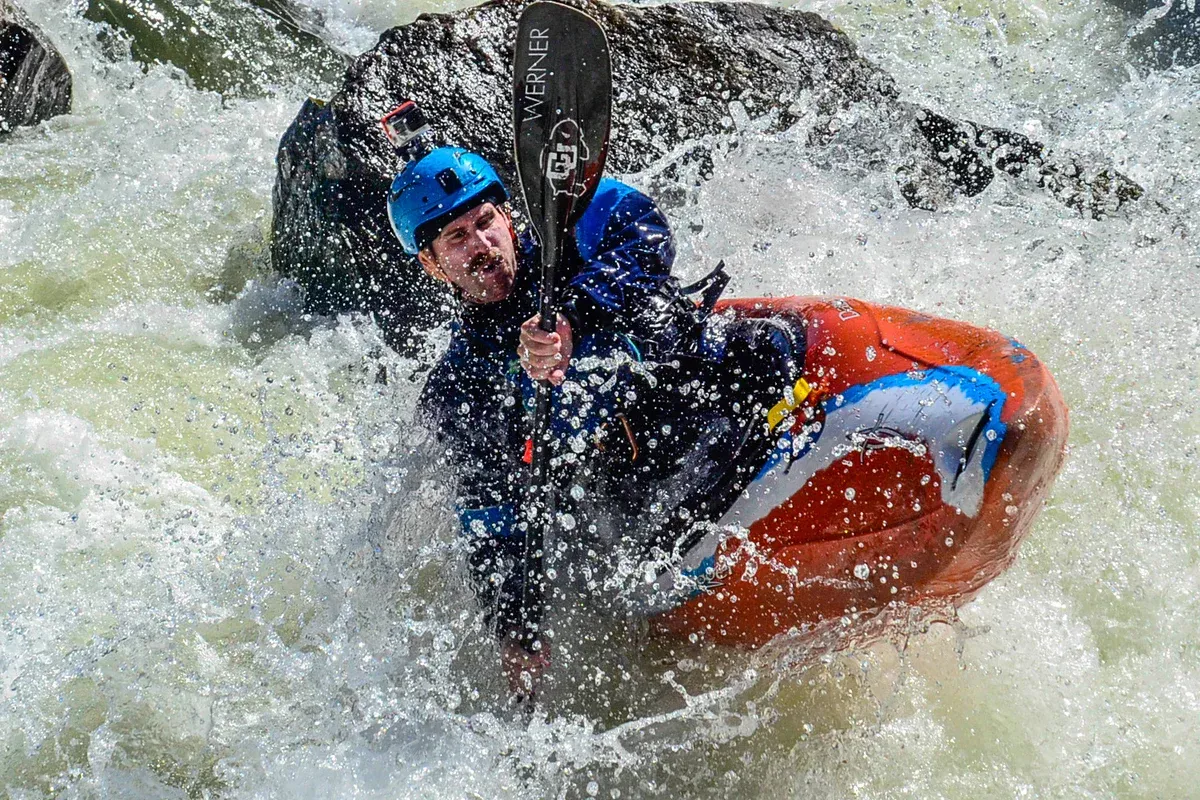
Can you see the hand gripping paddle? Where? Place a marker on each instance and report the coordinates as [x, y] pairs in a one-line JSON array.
[[562, 106]]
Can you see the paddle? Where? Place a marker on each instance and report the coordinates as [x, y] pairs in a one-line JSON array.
[[562, 106]]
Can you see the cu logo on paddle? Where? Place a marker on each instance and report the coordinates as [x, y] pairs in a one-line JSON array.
[[561, 157]]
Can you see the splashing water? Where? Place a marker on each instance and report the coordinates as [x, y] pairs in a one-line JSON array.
[[228, 571]]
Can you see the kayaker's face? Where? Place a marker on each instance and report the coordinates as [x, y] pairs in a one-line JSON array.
[[476, 253]]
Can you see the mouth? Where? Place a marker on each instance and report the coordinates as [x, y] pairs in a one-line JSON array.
[[490, 267]]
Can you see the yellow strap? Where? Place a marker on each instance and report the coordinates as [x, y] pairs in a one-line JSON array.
[[788, 404]]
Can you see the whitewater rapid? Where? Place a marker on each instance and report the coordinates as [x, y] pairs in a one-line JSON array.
[[227, 568]]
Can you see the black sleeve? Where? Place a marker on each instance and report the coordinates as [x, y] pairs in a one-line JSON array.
[[476, 448]]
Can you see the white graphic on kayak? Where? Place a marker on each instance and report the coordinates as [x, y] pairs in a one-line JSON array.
[[951, 413]]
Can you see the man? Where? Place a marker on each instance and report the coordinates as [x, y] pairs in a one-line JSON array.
[[449, 208]]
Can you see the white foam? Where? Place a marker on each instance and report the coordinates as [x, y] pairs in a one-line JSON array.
[[319, 639]]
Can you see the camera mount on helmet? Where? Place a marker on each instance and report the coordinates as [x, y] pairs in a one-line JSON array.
[[407, 128], [433, 185]]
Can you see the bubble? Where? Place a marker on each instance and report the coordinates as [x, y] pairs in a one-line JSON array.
[[862, 571], [850, 494]]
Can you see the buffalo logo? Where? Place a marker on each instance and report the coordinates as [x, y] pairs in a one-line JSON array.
[[562, 156]]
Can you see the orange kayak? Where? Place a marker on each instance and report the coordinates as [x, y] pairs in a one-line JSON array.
[[913, 457]]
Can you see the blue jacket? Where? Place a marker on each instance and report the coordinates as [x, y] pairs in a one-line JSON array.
[[478, 399]]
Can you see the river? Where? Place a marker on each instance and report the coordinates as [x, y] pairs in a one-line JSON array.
[[224, 574]]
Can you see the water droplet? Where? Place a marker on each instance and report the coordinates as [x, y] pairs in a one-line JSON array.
[[949, 541], [850, 494], [566, 521], [870, 353], [862, 572], [577, 492], [593, 788]]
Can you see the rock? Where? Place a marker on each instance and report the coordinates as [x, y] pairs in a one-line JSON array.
[[1168, 36], [969, 156], [34, 81], [688, 76], [1162, 34], [235, 47]]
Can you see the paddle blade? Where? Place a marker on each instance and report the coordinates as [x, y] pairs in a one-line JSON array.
[[562, 103]]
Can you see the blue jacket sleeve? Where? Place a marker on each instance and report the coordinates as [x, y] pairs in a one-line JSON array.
[[626, 250]]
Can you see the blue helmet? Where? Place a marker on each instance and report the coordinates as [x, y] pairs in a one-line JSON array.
[[428, 194]]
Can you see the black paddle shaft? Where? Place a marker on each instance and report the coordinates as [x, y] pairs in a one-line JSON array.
[[562, 104]]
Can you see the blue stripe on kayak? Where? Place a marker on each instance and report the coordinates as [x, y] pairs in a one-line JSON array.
[[977, 387], [973, 383]]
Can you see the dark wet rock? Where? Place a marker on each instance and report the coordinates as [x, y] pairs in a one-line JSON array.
[[235, 47], [1170, 38], [1162, 34], [35, 83], [969, 156], [689, 77]]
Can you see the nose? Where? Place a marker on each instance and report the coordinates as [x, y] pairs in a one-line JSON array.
[[479, 241]]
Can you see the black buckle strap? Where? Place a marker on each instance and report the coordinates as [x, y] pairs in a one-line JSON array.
[[711, 286]]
